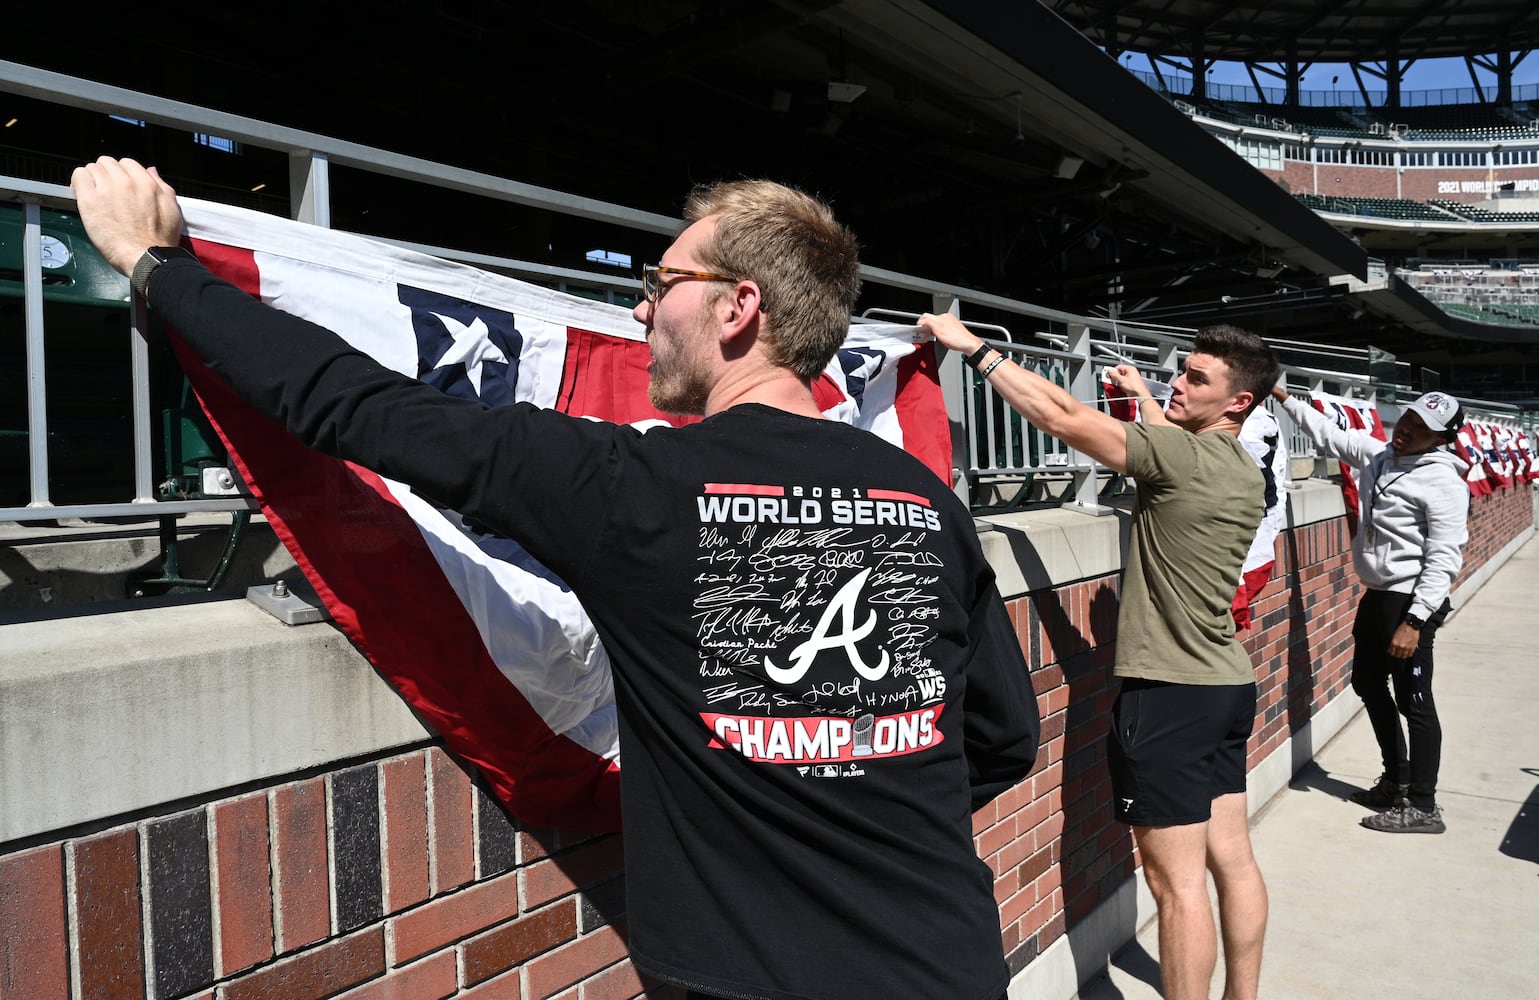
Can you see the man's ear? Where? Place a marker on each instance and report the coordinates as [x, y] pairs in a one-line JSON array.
[[1239, 406], [739, 310]]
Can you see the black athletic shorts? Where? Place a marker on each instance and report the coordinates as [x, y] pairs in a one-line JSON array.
[[1174, 748]]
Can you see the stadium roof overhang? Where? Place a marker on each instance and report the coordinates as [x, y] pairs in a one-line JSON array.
[[1081, 104], [1331, 31], [1287, 36], [983, 144]]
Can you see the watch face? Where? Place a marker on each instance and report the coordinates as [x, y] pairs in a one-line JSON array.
[[55, 252]]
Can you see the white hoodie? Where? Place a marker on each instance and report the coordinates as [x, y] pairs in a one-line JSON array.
[[1412, 511]]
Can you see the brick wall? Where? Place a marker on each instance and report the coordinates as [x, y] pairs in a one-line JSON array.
[[399, 877]]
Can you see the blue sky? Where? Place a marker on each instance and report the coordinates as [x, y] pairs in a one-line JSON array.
[[1424, 74]]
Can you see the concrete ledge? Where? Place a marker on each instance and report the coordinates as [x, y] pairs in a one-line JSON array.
[[1041, 549], [1313, 500], [107, 713], [80, 563]]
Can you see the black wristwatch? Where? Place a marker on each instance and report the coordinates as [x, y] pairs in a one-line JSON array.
[[975, 359], [152, 258], [1417, 623]]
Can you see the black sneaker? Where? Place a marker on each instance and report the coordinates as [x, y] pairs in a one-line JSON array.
[[1384, 794], [1407, 818]]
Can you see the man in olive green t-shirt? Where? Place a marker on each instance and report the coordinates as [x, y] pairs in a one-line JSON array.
[[1187, 701]]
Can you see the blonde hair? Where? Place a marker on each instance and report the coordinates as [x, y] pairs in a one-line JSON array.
[[804, 261]]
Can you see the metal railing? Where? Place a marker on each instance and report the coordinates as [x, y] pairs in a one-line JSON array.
[[994, 449]]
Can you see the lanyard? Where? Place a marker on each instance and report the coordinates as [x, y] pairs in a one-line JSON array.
[[1373, 501]]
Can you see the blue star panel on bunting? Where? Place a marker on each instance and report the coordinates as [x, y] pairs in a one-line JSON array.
[[464, 349]]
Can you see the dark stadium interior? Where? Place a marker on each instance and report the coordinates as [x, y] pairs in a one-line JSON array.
[[989, 145]]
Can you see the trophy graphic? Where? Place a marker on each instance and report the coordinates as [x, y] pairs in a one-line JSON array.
[[863, 727]]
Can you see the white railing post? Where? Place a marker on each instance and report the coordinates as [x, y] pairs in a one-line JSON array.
[[310, 187], [139, 362], [37, 384]]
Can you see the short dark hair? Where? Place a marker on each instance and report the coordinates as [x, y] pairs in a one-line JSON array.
[[1252, 366]]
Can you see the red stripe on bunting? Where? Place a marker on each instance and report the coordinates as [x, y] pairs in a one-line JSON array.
[[921, 411]]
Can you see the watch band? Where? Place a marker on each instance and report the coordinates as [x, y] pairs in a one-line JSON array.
[[152, 258], [1416, 622], [975, 359]]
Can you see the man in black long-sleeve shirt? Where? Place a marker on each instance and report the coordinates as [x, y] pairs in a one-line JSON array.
[[816, 679]]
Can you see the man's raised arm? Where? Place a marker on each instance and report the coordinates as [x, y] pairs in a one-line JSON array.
[[1047, 407]]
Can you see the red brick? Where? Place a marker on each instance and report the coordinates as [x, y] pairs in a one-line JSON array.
[[109, 928], [1047, 831], [1046, 779], [454, 830], [33, 948], [535, 843], [446, 920], [572, 963], [319, 972], [995, 838], [507, 947], [430, 979], [303, 898], [1012, 909], [1035, 867], [504, 987], [1011, 854], [1015, 798], [1037, 917], [244, 900], [570, 870], [618, 982], [405, 832]]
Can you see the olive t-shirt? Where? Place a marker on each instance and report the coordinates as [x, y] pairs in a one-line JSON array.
[[1200, 498]]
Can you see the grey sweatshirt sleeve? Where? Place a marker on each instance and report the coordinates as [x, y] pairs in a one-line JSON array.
[[1354, 447]]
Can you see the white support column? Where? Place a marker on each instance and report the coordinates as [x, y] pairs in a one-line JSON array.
[[310, 187], [37, 387]]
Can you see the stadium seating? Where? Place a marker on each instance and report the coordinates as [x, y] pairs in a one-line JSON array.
[[1475, 213], [1385, 208]]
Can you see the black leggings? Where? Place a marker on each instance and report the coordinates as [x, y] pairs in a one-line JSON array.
[[1373, 673]]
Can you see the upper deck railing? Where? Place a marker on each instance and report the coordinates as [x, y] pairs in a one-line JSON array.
[[994, 452]]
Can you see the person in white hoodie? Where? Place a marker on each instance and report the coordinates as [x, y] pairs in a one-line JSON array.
[[1413, 507]]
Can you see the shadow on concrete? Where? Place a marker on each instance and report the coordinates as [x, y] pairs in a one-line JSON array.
[[1521, 840], [1314, 778], [1139, 964], [1133, 961]]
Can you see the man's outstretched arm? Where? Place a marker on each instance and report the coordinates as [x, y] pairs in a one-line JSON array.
[[512, 468], [1047, 407]]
